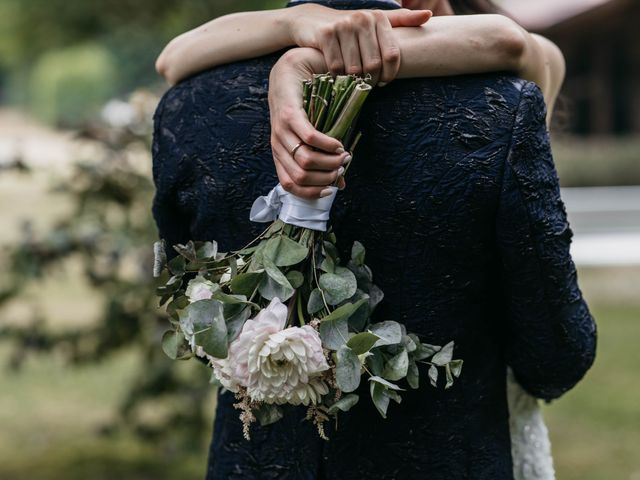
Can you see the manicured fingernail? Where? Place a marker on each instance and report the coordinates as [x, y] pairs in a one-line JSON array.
[[340, 171], [340, 150], [382, 84], [326, 192], [347, 159]]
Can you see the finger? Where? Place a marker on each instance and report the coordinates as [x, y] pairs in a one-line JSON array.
[[370, 52], [341, 183], [333, 54], [300, 176], [408, 18], [350, 51], [291, 187], [299, 124], [389, 50], [310, 159]]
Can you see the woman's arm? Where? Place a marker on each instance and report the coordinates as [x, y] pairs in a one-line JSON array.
[[447, 46], [352, 42], [452, 45]]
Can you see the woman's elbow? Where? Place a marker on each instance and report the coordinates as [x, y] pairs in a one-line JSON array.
[[510, 42], [164, 68]]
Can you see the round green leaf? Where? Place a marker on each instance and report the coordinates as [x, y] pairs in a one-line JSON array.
[[362, 342], [396, 367], [284, 252], [338, 286], [347, 369], [296, 279]]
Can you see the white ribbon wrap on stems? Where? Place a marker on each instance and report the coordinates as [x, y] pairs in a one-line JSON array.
[[279, 203]]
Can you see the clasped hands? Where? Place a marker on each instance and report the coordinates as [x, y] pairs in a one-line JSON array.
[[355, 42]]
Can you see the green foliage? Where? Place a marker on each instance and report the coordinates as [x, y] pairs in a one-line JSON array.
[[133, 33], [108, 233], [68, 86]]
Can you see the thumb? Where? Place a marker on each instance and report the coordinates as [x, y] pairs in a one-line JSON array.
[[408, 18]]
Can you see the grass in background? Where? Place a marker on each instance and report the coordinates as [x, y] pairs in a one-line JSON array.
[[596, 427], [595, 162]]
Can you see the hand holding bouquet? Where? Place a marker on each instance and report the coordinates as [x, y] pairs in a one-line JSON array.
[[285, 320]]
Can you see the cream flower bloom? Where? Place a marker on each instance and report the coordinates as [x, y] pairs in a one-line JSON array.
[[274, 364], [199, 288]]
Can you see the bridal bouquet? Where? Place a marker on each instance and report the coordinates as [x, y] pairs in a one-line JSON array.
[[285, 320]]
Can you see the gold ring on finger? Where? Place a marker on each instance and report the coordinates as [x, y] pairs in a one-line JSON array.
[[295, 149]]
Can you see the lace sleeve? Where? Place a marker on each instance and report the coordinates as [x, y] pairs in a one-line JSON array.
[[551, 334]]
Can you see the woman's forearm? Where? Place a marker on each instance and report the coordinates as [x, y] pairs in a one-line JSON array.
[[454, 45], [226, 39]]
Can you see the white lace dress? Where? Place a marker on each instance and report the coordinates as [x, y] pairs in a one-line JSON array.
[[530, 444]]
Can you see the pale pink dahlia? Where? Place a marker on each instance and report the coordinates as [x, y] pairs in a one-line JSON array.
[[274, 364]]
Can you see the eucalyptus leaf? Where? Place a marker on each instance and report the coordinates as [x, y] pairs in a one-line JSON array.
[[205, 318], [296, 279], [390, 333], [380, 400], [315, 303], [413, 375], [207, 250], [357, 253], [331, 251], [425, 351], [359, 319], [338, 286], [449, 376], [456, 367], [266, 414], [362, 342], [246, 283], [345, 404], [334, 332], [444, 356], [177, 304], [396, 367], [334, 328], [347, 369], [284, 252], [386, 383], [433, 375], [393, 395], [328, 265], [375, 362], [375, 296], [269, 289], [235, 323], [408, 343], [188, 251], [172, 340], [363, 274], [177, 265]]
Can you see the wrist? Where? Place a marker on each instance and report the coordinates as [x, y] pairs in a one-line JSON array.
[[289, 21]]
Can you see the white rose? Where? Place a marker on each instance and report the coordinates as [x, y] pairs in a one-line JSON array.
[[199, 288]]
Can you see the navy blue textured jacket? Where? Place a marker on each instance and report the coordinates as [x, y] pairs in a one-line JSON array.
[[454, 194]]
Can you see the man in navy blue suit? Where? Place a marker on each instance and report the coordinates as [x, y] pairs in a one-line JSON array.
[[455, 196]]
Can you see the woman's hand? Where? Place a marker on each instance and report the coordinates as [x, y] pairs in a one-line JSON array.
[[355, 42], [316, 164]]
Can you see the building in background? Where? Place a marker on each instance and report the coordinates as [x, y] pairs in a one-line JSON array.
[[601, 42]]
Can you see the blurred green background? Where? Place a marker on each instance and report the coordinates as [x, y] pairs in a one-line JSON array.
[[85, 389]]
